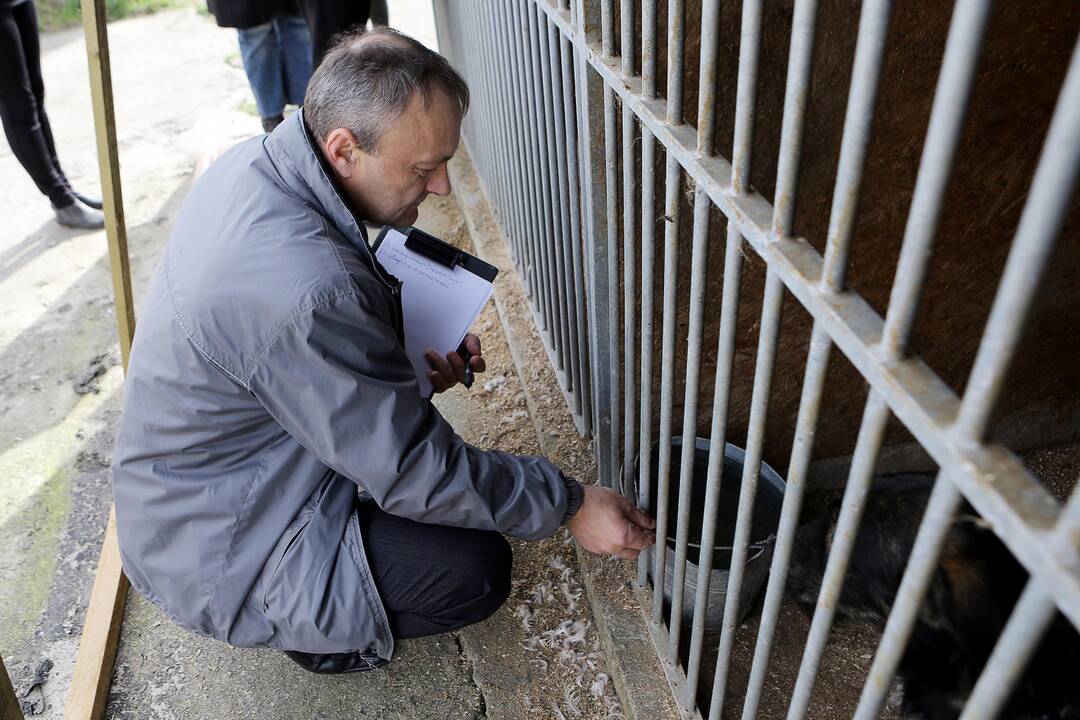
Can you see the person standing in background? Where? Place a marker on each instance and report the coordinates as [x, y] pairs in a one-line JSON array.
[[22, 110], [328, 18], [275, 45]]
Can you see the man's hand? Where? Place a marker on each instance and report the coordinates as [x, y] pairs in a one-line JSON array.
[[608, 524], [447, 372]]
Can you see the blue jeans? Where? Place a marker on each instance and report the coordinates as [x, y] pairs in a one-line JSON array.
[[277, 60]]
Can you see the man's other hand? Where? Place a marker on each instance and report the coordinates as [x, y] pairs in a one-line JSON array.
[[608, 524], [446, 372]]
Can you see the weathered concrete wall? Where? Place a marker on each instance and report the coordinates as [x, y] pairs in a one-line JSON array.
[[1020, 74]]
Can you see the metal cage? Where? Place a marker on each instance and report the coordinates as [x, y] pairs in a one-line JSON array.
[[549, 80]]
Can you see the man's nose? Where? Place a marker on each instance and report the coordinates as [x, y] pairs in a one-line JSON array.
[[439, 184]]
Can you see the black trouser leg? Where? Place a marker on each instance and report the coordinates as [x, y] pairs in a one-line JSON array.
[[432, 578], [22, 107], [327, 18]]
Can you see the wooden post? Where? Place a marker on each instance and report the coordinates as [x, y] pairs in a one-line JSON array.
[[9, 704], [105, 613]]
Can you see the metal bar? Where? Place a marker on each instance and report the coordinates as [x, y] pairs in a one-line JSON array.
[[1027, 626], [547, 214], [570, 119], [560, 336], [1043, 216], [536, 42], [515, 149], [645, 376], [710, 41], [494, 123], [648, 49], [611, 176], [1054, 182], [523, 65], [796, 97], [942, 137], [673, 186], [725, 360], [560, 95], [589, 87], [630, 351], [817, 365], [867, 446], [858, 122], [699, 259], [745, 98], [607, 27], [626, 29], [676, 60], [771, 309]]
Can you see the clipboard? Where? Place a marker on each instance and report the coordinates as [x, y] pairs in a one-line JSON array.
[[443, 290]]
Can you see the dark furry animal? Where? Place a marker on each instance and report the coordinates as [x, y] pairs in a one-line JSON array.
[[970, 598]]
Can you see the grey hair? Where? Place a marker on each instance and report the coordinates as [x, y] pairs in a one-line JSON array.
[[367, 80]]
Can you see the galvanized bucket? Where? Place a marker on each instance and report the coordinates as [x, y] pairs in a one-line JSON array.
[[767, 504]]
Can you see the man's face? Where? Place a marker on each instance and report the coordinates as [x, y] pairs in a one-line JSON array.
[[409, 163]]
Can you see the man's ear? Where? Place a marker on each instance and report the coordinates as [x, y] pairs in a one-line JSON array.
[[342, 152]]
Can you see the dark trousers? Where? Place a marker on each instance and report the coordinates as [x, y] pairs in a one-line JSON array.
[[22, 102], [432, 578], [327, 18]]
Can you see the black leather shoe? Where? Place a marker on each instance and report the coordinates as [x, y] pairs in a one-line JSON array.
[[336, 663]]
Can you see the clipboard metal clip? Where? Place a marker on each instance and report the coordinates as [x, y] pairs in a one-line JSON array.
[[433, 248]]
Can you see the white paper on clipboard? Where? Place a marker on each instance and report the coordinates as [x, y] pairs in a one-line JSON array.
[[438, 303]]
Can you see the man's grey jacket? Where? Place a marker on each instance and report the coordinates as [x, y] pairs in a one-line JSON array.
[[267, 388]]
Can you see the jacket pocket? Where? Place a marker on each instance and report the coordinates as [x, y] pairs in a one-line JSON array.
[[285, 545]]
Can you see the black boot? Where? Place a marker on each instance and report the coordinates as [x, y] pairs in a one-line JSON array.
[[334, 663]]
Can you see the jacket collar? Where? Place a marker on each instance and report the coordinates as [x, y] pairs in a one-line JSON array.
[[302, 169]]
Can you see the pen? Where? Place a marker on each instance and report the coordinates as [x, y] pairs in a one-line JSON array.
[[467, 357]]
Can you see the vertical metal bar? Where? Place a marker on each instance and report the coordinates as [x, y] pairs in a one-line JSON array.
[[648, 49], [648, 229], [612, 173], [676, 60], [772, 305], [699, 258], [592, 164], [1040, 223], [867, 446], [858, 121], [943, 135], [494, 123], [795, 103], [607, 27], [570, 119], [725, 358], [626, 22], [710, 41], [1022, 634], [536, 92], [573, 378], [560, 337], [672, 195], [817, 365], [535, 227], [515, 150], [630, 352]]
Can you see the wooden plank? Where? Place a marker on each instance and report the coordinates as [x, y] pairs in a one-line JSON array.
[[104, 615], [97, 52], [9, 704], [101, 634]]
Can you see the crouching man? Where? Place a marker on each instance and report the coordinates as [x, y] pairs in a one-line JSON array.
[[279, 480]]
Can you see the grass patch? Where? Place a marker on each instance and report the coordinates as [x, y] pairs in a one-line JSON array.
[[60, 14]]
